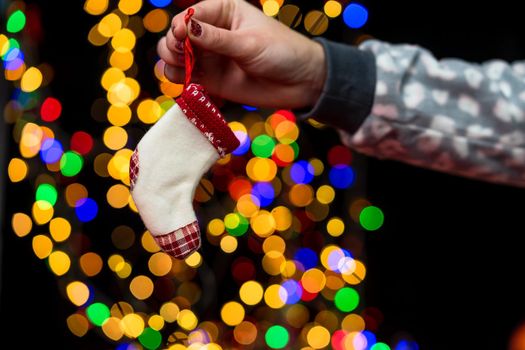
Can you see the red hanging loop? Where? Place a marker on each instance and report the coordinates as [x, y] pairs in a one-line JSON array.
[[189, 58]]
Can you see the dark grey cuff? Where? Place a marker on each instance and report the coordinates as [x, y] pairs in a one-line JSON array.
[[348, 92]]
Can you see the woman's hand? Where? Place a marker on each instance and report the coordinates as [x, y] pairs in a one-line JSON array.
[[244, 56]]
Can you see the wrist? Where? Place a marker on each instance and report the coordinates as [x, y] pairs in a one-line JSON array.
[[318, 72]]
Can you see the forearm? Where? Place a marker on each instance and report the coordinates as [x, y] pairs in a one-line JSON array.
[[448, 115]]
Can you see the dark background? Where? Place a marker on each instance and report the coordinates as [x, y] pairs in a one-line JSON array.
[[447, 266]]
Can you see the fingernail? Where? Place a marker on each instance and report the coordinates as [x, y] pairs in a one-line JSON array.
[[196, 28], [179, 45]]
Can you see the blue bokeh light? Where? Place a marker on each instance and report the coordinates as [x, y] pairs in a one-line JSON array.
[[306, 257], [302, 172], [355, 15], [406, 345], [86, 209], [294, 291], [160, 3], [264, 192], [341, 176], [249, 108], [244, 143], [51, 151]]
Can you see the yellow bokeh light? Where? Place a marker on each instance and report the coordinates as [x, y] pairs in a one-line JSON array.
[[169, 312], [270, 8], [118, 165], [132, 325], [77, 292], [228, 244], [42, 246], [357, 275], [187, 320], [42, 212], [141, 287], [74, 192], [119, 115], [77, 324], [17, 170], [325, 194], [124, 270], [275, 243], [318, 337], [114, 261], [273, 262], [112, 329], [194, 260], [263, 224], [245, 333], [313, 280], [130, 7], [261, 169], [115, 138], [156, 322], [120, 94], [95, 38], [283, 218], [174, 90], [335, 227], [251, 292], [95, 7], [248, 205], [21, 224], [284, 152], [31, 80], [4, 44], [31, 140], [301, 195], [353, 323], [275, 296], [232, 313], [118, 196], [148, 243], [318, 166], [156, 20], [288, 269], [59, 262], [216, 227], [60, 229], [286, 132], [149, 111], [111, 77], [121, 60], [160, 264], [109, 25], [297, 315], [124, 40], [91, 264], [332, 8], [316, 22]]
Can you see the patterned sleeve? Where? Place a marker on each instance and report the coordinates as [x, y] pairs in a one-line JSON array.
[[448, 115]]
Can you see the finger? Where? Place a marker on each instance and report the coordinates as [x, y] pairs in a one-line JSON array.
[[219, 40], [174, 74], [215, 12], [169, 56], [173, 44]]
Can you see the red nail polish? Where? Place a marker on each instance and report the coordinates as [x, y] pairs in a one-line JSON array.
[[196, 28]]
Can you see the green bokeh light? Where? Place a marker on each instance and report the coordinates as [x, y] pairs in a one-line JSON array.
[[263, 146], [277, 337], [97, 313], [236, 224], [150, 338], [71, 163], [46, 192], [346, 299], [16, 22], [371, 218], [380, 346]]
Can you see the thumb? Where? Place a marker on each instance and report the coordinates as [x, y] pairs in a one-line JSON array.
[[214, 39]]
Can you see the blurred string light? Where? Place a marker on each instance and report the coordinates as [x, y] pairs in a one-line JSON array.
[[279, 203]]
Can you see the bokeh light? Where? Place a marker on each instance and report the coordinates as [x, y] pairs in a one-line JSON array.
[[355, 15]]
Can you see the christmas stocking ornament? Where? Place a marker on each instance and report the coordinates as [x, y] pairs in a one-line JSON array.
[[170, 160]]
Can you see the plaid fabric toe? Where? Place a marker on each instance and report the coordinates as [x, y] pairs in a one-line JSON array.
[[133, 169], [182, 242]]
